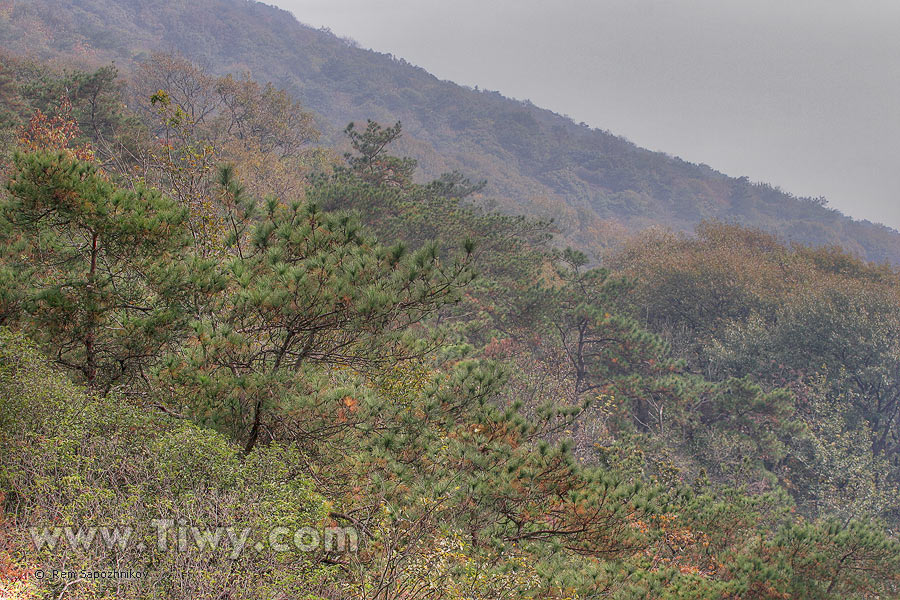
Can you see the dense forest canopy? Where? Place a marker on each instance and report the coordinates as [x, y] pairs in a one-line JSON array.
[[211, 318]]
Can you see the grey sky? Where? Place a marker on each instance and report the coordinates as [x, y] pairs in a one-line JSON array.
[[803, 94]]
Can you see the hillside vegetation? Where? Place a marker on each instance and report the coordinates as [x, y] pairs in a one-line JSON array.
[[211, 320], [595, 185]]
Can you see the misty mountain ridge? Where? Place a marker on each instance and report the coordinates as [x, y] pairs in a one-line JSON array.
[[595, 185]]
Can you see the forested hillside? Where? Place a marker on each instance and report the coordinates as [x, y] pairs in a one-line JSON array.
[[596, 186], [248, 352], [256, 369]]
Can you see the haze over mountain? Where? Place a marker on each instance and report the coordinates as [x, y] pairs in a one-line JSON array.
[[802, 94], [263, 354], [590, 181]]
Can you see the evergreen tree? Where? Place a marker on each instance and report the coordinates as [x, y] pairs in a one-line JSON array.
[[371, 161], [103, 271], [310, 287]]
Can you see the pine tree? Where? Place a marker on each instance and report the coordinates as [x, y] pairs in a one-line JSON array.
[[371, 161], [103, 271], [310, 287]]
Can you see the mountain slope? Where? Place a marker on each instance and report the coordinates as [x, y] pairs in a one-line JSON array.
[[535, 161]]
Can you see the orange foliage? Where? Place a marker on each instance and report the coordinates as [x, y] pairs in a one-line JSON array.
[[15, 580], [677, 546], [57, 132]]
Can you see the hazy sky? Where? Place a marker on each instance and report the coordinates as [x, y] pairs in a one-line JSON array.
[[803, 94]]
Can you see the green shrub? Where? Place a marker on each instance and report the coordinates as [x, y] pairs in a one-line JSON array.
[[74, 460]]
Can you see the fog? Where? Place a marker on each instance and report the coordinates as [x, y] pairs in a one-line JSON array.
[[801, 94]]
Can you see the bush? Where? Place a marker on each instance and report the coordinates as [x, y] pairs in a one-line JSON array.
[[74, 460]]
